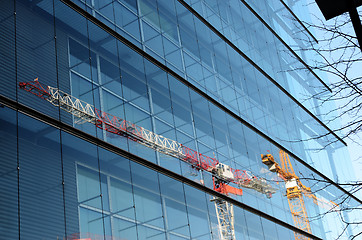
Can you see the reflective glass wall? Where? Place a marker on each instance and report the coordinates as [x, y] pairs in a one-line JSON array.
[[59, 186], [173, 35], [104, 195]]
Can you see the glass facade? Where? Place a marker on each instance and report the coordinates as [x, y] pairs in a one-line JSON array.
[[207, 74]]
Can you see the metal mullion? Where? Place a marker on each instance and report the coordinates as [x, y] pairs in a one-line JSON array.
[[110, 215]]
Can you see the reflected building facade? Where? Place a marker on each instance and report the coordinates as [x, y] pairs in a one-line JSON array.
[[221, 77]]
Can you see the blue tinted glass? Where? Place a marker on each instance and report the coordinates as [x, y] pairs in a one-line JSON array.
[[40, 180], [116, 179], [197, 213], [79, 58], [270, 230], [88, 187], [255, 229], [82, 185], [35, 40], [91, 223], [148, 203], [8, 174], [175, 207], [7, 49], [241, 231]]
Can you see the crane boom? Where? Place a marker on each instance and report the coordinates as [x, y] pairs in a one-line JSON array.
[[85, 112]]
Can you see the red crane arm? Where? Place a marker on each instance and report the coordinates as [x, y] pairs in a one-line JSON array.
[[86, 112]]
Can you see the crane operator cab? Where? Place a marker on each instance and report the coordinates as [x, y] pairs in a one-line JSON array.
[[224, 172]]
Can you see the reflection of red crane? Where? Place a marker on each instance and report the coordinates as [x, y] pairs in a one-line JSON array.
[[295, 190], [223, 174]]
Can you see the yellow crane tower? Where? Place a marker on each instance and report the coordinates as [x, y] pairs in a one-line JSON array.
[[295, 191]]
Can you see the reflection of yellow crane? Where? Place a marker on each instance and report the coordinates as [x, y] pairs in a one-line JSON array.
[[295, 189]]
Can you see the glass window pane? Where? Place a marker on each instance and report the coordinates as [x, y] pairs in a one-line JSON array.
[[175, 208], [197, 213], [82, 186], [148, 204], [8, 175], [40, 180], [7, 50]]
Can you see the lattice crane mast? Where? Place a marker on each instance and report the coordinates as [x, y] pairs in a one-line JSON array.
[[222, 174], [295, 190]]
